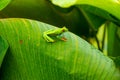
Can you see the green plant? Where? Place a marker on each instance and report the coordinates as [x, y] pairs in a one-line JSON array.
[[25, 54]]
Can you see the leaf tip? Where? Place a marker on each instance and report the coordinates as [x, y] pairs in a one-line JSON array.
[[64, 3]]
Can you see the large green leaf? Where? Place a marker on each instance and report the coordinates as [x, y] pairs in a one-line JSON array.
[[102, 4], [30, 57], [4, 3], [3, 49]]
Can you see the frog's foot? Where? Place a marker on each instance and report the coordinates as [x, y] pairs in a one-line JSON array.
[[61, 37], [64, 39], [47, 38]]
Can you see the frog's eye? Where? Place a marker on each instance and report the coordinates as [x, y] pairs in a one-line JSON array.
[[63, 30]]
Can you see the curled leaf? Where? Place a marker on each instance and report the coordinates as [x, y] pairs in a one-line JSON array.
[[102, 4], [4, 3]]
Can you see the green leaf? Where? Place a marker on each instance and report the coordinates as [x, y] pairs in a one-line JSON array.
[[100, 13], [94, 21], [3, 49], [4, 3], [113, 40], [102, 4], [30, 57]]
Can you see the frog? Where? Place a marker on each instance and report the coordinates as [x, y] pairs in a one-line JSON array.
[[55, 32]]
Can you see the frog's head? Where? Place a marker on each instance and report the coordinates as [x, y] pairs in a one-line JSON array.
[[64, 29]]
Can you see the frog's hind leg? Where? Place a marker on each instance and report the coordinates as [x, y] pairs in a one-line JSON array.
[[47, 38]]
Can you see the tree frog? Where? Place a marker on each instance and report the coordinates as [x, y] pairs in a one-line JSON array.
[[54, 32]]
